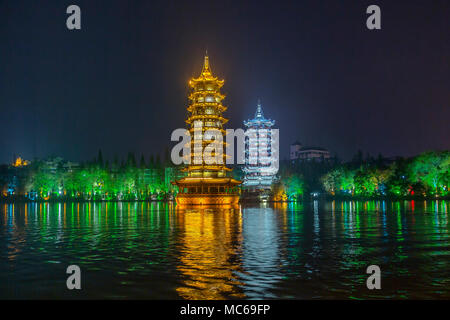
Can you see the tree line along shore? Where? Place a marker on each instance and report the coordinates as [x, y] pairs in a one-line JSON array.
[[425, 176]]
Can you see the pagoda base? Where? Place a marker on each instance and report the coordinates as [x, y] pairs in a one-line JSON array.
[[207, 191], [207, 199]]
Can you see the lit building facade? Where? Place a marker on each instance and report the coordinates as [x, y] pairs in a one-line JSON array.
[[19, 162], [260, 171], [300, 153], [207, 181]]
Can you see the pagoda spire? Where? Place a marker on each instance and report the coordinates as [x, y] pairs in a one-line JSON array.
[[259, 171], [259, 112], [206, 69], [206, 75]]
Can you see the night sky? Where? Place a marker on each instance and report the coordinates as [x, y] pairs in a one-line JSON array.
[[120, 83]]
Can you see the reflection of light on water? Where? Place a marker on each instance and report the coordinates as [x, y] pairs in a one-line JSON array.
[[11, 215], [16, 238], [350, 218], [59, 215], [60, 231], [47, 206], [316, 223], [436, 211], [209, 246], [333, 217], [216, 254], [398, 212], [316, 218], [444, 210], [383, 220], [261, 229]]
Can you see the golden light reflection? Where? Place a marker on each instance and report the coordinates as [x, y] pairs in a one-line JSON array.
[[209, 252]]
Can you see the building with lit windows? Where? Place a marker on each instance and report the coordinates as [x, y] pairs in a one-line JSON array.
[[260, 171], [298, 152]]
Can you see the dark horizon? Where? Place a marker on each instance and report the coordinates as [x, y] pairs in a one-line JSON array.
[[120, 83]]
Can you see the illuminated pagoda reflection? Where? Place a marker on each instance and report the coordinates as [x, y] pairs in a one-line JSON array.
[[207, 181], [260, 171]]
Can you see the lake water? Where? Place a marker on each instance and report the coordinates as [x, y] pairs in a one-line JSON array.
[[311, 250]]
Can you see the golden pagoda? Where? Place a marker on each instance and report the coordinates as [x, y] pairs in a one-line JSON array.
[[207, 181]]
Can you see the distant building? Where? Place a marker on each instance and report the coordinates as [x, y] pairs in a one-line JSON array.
[[260, 171], [71, 166], [301, 153], [52, 164], [12, 175], [19, 162]]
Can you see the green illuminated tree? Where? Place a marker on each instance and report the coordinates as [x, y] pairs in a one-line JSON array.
[[431, 169]]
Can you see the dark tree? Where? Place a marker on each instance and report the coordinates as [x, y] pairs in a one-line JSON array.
[[158, 162], [358, 158], [115, 164], [151, 163], [131, 160], [100, 158], [142, 164], [380, 160], [167, 160]]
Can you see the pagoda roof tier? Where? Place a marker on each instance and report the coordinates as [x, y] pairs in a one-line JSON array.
[[259, 123], [259, 120], [214, 167], [198, 155], [206, 76], [207, 128], [206, 104], [204, 117], [209, 166], [196, 82], [209, 142], [265, 171], [216, 94], [188, 181]]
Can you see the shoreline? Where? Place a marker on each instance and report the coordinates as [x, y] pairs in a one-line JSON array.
[[327, 198]]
